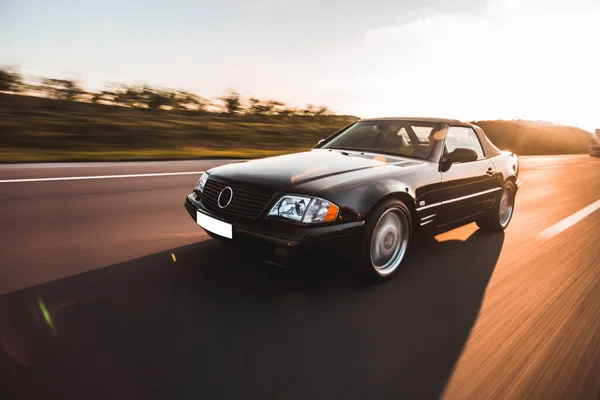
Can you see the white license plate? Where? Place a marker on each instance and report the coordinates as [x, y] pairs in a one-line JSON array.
[[214, 225]]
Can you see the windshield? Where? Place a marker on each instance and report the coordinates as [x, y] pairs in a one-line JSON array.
[[403, 138]]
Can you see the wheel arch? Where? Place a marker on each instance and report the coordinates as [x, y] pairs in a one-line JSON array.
[[514, 180], [508, 166], [407, 199]]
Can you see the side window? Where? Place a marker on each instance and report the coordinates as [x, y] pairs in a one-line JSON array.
[[460, 136], [422, 132]]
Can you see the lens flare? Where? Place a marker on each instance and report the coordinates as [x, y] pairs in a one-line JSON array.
[[46, 315]]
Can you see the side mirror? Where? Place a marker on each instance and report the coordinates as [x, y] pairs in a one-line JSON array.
[[459, 155]]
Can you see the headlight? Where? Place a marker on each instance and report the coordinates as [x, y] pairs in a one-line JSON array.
[[305, 209], [201, 182]]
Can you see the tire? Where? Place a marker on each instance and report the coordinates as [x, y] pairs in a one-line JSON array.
[[501, 213], [387, 236]]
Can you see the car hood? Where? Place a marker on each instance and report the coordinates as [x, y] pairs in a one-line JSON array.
[[284, 172]]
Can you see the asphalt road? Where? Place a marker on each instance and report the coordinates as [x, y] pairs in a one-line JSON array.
[[109, 290]]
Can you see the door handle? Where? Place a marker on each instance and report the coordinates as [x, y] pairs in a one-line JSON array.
[[491, 171]]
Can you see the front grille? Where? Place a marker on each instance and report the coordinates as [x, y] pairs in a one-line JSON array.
[[245, 203]]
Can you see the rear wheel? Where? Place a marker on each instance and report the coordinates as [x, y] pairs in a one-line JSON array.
[[387, 236], [502, 212]]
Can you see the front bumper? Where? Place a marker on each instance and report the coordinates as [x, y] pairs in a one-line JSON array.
[[280, 240]]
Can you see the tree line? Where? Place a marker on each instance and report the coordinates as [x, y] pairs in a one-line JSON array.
[[146, 96]]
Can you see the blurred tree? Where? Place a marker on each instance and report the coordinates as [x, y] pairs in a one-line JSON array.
[[268, 108], [254, 106], [275, 107], [178, 100], [194, 102], [288, 111], [145, 96], [73, 90], [233, 103], [214, 105], [104, 97], [309, 110], [61, 89], [10, 81], [129, 96], [156, 99], [323, 110], [258, 107]]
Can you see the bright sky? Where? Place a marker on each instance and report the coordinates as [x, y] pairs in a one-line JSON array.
[[467, 59]]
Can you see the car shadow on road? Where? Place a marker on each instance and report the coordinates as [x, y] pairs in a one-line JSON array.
[[202, 322]]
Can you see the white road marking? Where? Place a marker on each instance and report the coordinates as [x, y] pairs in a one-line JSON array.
[[81, 178], [569, 221]]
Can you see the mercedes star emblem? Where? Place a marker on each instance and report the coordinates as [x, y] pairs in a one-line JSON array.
[[225, 197]]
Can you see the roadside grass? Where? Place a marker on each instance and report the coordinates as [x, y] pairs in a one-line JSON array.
[[34, 129], [32, 155]]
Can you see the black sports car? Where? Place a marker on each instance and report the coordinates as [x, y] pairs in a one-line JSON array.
[[370, 187]]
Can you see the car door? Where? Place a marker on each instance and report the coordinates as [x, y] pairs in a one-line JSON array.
[[468, 188]]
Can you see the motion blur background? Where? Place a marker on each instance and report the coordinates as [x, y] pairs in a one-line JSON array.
[[114, 80], [109, 290]]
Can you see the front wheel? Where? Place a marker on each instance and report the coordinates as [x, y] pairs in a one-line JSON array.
[[387, 236], [502, 212]]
